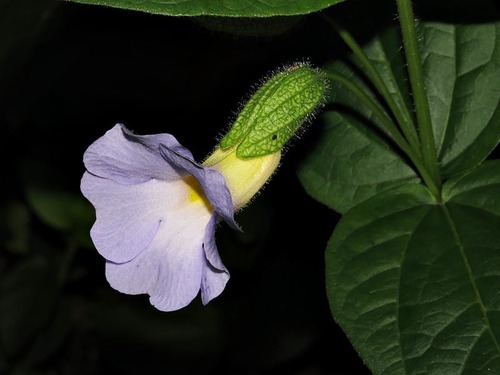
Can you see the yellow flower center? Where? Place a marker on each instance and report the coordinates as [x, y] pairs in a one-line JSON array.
[[195, 193]]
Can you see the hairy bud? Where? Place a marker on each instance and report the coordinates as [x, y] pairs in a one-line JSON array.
[[276, 111]]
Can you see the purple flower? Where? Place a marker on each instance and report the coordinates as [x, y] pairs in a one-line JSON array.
[[156, 212]]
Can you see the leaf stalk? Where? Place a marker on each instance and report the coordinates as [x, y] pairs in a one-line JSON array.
[[426, 134]]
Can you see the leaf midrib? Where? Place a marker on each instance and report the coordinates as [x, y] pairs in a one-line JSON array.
[[472, 279]]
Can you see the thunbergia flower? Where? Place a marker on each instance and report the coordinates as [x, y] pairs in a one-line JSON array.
[[157, 209], [156, 212]]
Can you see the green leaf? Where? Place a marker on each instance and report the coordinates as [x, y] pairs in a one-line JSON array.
[[462, 70], [414, 284], [351, 164], [59, 209], [229, 8], [352, 160], [53, 202]]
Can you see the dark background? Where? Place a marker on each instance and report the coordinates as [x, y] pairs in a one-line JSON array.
[[68, 73]]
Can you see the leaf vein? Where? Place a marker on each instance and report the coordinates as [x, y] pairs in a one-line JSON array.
[[474, 286]]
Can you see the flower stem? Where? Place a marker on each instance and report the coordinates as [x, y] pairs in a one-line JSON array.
[[428, 146], [401, 115]]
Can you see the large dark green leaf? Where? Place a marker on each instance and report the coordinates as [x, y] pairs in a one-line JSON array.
[[230, 8], [462, 68], [415, 284]]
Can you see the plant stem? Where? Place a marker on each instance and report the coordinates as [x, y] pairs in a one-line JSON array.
[[426, 134], [401, 115]]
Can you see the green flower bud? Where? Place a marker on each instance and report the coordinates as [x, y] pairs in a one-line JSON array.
[[276, 111]]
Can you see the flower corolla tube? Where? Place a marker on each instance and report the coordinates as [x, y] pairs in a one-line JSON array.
[[157, 208]]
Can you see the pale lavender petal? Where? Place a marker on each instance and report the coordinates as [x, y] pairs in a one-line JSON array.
[[210, 247], [138, 276], [124, 157], [128, 216], [213, 183], [215, 275], [179, 279], [213, 283], [170, 270]]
